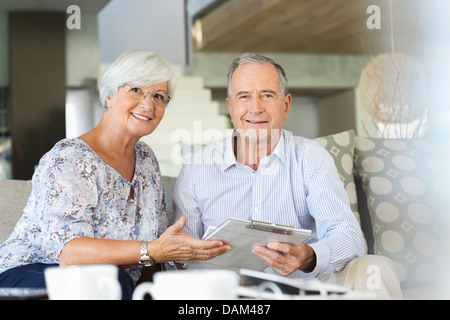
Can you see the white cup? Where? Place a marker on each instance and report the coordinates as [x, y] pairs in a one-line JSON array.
[[88, 282], [190, 285]]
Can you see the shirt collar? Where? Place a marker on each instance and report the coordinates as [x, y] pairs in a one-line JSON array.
[[280, 149], [229, 158]]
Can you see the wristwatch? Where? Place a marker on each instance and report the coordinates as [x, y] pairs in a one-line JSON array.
[[145, 261]]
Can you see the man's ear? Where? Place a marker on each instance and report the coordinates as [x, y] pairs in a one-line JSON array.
[[287, 104], [230, 112]]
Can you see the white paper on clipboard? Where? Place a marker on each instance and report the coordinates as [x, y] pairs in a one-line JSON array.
[[242, 236]]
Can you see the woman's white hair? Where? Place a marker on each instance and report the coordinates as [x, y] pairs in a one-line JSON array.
[[139, 68]]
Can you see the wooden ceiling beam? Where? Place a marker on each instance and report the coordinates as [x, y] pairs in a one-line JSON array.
[[231, 16], [302, 26]]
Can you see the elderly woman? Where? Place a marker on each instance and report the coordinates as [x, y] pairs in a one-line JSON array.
[[98, 199]]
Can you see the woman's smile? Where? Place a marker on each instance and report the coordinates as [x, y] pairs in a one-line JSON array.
[[140, 117]]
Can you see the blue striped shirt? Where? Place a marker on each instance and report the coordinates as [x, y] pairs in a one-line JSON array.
[[298, 184]]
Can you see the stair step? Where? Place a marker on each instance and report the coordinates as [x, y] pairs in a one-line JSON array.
[[179, 108], [190, 83], [192, 122], [187, 95]]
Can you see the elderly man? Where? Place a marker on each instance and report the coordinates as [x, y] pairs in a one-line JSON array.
[[263, 172]]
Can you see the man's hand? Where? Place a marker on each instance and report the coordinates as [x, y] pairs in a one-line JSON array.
[[285, 258]]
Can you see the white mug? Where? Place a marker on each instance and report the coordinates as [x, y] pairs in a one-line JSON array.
[[87, 282], [190, 285]]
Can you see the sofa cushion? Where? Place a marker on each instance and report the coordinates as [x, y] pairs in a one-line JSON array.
[[402, 198], [14, 195], [169, 184], [13, 199]]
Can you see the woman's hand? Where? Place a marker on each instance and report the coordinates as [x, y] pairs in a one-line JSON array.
[[174, 245]]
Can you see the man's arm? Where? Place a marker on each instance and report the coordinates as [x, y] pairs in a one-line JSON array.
[[340, 238], [339, 235], [185, 203]]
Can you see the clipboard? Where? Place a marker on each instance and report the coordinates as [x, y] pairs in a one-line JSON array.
[[242, 236]]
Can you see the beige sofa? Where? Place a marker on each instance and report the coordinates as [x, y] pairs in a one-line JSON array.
[[386, 181]]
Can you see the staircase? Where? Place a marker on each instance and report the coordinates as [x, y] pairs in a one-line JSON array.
[[190, 118]]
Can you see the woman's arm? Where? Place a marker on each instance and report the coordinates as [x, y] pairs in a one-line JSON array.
[[100, 251], [172, 245]]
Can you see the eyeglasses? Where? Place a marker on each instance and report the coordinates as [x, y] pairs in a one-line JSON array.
[[159, 99]]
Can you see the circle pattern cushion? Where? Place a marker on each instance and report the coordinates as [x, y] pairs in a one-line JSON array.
[[398, 177]]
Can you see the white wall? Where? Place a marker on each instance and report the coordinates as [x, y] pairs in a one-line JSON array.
[[336, 113], [303, 118], [153, 25], [82, 52]]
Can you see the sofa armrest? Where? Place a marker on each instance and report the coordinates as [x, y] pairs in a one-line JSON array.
[[14, 196]]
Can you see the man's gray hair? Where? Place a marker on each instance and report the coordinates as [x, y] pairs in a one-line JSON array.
[[139, 68], [257, 58]]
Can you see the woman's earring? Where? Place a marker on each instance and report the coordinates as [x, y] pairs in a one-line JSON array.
[[108, 103]]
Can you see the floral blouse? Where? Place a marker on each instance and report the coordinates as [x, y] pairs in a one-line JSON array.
[[75, 194]]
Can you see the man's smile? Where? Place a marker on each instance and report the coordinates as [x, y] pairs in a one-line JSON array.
[[256, 121]]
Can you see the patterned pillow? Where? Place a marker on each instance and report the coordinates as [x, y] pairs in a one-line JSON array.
[[341, 148], [397, 177]]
